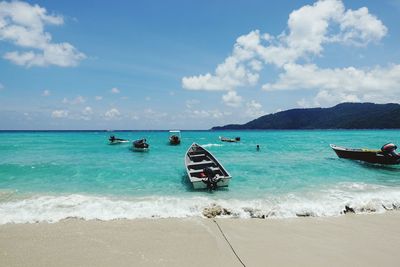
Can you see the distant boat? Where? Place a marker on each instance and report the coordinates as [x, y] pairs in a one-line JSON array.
[[204, 170], [231, 140], [386, 155], [115, 141], [174, 137], [140, 145]]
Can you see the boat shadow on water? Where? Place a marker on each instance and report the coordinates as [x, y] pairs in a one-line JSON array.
[[367, 165], [189, 187]]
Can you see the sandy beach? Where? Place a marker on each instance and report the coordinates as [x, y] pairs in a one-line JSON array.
[[350, 240]]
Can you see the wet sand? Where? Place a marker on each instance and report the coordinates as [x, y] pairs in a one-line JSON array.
[[350, 240]]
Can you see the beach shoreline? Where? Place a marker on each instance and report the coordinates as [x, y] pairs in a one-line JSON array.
[[348, 240]]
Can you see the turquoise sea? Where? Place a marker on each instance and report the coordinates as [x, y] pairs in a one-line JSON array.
[[49, 176]]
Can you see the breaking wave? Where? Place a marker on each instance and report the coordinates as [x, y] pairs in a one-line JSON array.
[[211, 145], [349, 197]]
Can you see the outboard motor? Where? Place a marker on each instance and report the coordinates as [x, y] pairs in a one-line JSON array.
[[389, 149], [211, 181]]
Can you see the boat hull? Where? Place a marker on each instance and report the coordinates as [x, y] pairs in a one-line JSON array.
[[224, 182], [139, 149], [370, 156], [174, 142], [197, 160], [118, 142]]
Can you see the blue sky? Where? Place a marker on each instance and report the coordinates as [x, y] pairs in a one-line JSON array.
[[190, 64]]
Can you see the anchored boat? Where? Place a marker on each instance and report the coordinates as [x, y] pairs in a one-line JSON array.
[[386, 155], [231, 140], [115, 141], [204, 170], [140, 145], [174, 137]]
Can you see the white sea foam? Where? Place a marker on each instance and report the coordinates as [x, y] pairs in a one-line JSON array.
[[210, 145], [326, 202]]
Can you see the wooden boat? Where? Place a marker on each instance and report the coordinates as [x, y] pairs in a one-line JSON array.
[[204, 170], [174, 137], [115, 141], [367, 155], [140, 145], [231, 140]]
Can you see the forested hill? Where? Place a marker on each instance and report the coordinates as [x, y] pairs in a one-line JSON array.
[[341, 116]]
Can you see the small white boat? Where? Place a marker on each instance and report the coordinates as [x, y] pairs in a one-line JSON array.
[[115, 141], [204, 170]]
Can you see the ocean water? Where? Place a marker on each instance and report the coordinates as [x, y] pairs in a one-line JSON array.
[[50, 176]]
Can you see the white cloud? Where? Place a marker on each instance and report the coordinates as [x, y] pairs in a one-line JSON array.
[[359, 27], [60, 113], [115, 90], [98, 98], [85, 114], [134, 117], [232, 99], [341, 84], [309, 29], [201, 114], [192, 103], [87, 111], [254, 109], [1, 86], [154, 115], [76, 101], [239, 69], [46, 93], [303, 103], [112, 114], [23, 25]]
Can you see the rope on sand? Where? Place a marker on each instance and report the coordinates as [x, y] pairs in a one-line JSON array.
[[233, 250]]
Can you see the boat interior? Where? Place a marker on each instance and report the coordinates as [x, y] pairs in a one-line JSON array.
[[200, 160]]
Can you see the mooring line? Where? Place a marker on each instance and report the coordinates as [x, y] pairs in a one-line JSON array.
[[233, 250]]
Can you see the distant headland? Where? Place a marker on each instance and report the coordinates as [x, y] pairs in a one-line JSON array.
[[341, 116]]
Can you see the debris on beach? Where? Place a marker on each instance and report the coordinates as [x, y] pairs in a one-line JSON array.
[[348, 209], [392, 206], [255, 213], [215, 210], [305, 214]]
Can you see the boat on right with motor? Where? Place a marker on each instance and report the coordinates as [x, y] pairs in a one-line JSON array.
[[386, 155]]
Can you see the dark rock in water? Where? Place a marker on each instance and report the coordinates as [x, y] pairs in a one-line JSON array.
[[348, 209], [255, 213], [389, 207], [212, 211], [226, 212], [368, 209]]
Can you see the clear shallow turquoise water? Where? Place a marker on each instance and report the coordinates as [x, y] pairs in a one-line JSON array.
[[52, 175]]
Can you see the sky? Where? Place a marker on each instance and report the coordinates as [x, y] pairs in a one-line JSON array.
[[81, 65]]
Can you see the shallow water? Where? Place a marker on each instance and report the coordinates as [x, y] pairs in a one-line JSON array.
[[48, 176]]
